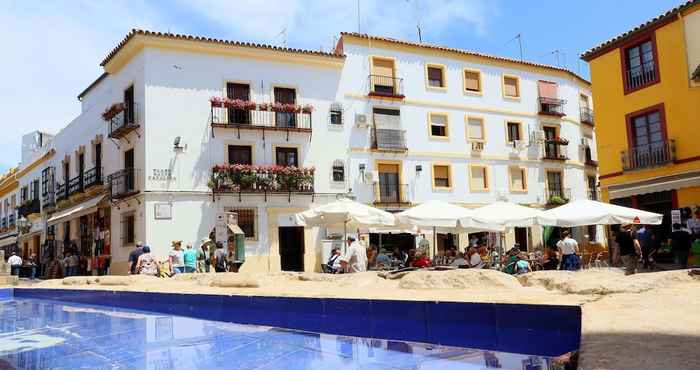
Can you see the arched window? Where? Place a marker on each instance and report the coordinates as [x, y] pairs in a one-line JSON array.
[[338, 171]]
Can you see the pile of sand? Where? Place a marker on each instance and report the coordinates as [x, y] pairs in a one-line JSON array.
[[472, 279]]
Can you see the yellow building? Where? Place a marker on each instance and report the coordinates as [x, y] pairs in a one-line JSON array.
[[646, 90]]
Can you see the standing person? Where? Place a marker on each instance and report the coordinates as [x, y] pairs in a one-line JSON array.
[[134, 257], [568, 248], [31, 263], [190, 259], [71, 262], [220, 258], [680, 244], [176, 258], [203, 256], [694, 226], [15, 262], [646, 241], [146, 264], [630, 250], [424, 244], [355, 258]]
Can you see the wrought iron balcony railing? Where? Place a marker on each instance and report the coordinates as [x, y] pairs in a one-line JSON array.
[[48, 199], [75, 185], [555, 150], [551, 106], [391, 140], [29, 207], [11, 220], [390, 194], [640, 75], [123, 183], [594, 194], [93, 177], [222, 116], [261, 179], [61, 192], [386, 86], [587, 116], [650, 155], [125, 121]]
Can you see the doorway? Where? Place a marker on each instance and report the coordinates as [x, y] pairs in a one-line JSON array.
[[129, 170], [291, 243], [389, 188], [521, 238]]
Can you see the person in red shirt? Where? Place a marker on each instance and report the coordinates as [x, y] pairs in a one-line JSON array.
[[420, 261]]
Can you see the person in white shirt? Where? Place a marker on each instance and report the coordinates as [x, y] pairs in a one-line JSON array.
[[474, 258], [15, 262], [568, 248], [355, 257], [694, 226]]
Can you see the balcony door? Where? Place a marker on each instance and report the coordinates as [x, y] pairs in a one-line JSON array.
[[81, 168], [287, 157], [592, 187], [240, 154], [240, 92], [129, 170], [98, 161], [383, 76], [285, 96], [554, 184], [648, 138], [129, 106], [389, 186], [551, 148]]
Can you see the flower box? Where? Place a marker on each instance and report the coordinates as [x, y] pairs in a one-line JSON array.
[[239, 177]]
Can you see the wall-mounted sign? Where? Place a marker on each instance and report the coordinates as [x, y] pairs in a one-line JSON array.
[[161, 174], [163, 211]]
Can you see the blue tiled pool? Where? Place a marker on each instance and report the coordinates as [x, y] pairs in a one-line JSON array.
[[46, 334]]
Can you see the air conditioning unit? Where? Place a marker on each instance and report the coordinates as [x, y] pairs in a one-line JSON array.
[[360, 120], [538, 136]]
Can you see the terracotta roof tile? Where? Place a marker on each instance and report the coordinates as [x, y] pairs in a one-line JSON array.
[[175, 36], [463, 52], [591, 53]]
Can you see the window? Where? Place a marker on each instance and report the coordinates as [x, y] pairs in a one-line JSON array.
[[129, 106], [24, 194], [511, 87], [513, 131], [640, 65], [441, 176], [647, 130], [241, 92], [518, 179], [336, 114], [240, 154], [592, 187], [128, 229], [472, 81], [285, 96], [478, 180], [66, 172], [382, 78], [475, 128], [438, 125], [554, 183], [246, 221], [388, 133], [338, 171], [287, 157], [436, 76]]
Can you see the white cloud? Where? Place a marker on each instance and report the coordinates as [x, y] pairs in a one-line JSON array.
[[52, 50]]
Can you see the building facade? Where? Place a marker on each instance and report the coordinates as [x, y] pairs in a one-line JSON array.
[[180, 129], [647, 89]]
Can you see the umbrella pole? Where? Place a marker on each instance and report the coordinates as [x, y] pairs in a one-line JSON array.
[[434, 241], [345, 237]]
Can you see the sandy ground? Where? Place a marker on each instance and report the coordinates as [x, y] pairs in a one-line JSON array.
[[644, 321]]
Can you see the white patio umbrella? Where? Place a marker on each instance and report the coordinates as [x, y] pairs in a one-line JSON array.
[[512, 215], [590, 212], [443, 216], [347, 213]]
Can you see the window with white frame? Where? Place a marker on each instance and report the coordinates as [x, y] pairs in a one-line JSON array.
[[438, 125]]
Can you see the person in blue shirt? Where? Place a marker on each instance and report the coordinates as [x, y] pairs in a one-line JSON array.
[[646, 241]]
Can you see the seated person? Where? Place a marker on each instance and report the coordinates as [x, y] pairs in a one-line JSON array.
[[411, 256], [474, 258], [383, 261], [459, 261], [551, 260], [522, 266], [420, 260], [398, 256], [372, 258], [333, 263], [510, 259]]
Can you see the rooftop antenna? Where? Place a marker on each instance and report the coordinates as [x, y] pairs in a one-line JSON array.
[[282, 33], [358, 16], [519, 37], [420, 38]]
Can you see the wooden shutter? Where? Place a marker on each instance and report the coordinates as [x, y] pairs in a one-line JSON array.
[[435, 74], [240, 154], [441, 173], [238, 91], [383, 67], [517, 179], [476, 128], [547, 89], [471, 81], [478, 178], [510, 86], [388, 168], [285, 96]]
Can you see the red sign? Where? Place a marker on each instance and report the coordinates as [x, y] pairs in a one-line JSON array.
[[636, 220]]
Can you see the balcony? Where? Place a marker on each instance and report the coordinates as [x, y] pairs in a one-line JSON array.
[[587, 116], [261, 179], [11, 221], [389, 140], [93, 177], [391, 195], [123, 183], [3, 225], [75, 185], [551, 106], [61, 192], [122, 119], [591, 163], [477, 146], [640, 76], [30, 207], [48, 199], [555, 149], [558, 196], [385, 86], [246, 115], [594, 194], [647, 156]]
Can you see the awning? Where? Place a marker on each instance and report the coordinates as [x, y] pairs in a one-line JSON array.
[[656, 185], [81, 209], [8, 240]]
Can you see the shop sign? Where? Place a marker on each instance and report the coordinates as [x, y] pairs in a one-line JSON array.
[[163, 211]]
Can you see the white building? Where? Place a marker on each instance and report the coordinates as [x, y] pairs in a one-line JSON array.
[[393, 124]]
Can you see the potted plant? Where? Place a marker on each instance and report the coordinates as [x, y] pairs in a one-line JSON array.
[[307, 108], [216, 101], [556, 199]]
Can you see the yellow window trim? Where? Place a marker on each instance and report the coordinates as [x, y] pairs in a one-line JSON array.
[[517, 87], [372, 58], [464, 82], [251, 144], [486, 177], [443, 68], [449, 174], [510, 179], [447, 126], [483, 127]]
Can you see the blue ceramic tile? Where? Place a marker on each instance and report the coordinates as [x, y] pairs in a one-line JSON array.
[[302, 313], [266, 311], [549, 335], [399, 320], [351, 317], [463, 325]]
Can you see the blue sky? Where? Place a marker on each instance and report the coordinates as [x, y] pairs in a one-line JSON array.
[[52, 50]]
